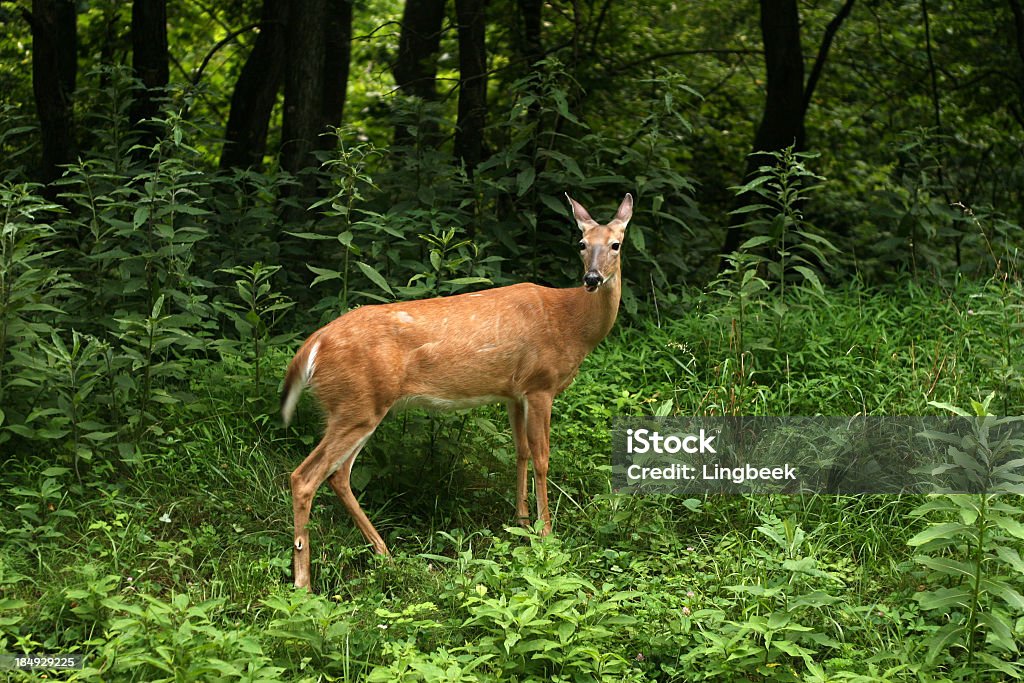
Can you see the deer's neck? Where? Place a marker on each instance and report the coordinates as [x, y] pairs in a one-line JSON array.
[[594, 313]]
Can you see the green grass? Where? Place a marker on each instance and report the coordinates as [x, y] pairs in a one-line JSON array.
[[177, 566]]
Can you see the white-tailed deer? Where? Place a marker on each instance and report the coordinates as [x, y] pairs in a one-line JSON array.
[[519, 345]]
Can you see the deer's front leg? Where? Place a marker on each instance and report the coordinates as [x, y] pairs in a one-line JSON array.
[[538, 428], [517, 418]]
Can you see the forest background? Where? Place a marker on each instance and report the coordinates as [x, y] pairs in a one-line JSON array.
[[828, 211]]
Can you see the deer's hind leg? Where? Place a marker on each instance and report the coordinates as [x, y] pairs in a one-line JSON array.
[[339, 482], [334, 454]]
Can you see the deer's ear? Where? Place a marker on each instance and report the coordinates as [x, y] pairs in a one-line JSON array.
[[625, 211], [583, 218]]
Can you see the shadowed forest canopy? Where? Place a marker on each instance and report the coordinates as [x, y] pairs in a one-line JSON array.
[[473, 115], [827, 211]]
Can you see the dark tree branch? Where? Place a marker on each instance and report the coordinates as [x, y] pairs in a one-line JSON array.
[[599, 24], [256, 90], [932, 75], [230, 38], [826, 44], [682, 53], [1018, 23]]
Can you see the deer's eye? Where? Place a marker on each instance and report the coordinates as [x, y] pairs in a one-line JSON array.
[[582, 245], [616, 245]]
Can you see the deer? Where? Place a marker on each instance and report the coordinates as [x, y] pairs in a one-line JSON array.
[[520, 345]]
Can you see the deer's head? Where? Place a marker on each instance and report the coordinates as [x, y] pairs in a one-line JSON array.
[[601, 245]]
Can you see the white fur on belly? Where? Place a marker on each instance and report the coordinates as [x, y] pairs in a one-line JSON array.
[[435, 403]]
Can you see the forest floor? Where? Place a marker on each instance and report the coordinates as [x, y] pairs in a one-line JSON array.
[[176, 564]]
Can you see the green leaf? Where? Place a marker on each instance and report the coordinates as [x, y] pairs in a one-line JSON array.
[[556, 205], [946, 531], [999, 631], [944, 598], [752, 185], [524, 180], [810, 276], [947, 566], [1011, 557], [951, 408], [756, 242], [12, 603], [375, 277], [323, 275], [636, 238], [1009, 525], [140, 217], [749, 208], [1009, 595], [310, 235], [943, 639], [468, 281]]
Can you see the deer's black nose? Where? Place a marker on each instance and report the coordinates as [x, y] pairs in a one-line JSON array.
[[592, 279]]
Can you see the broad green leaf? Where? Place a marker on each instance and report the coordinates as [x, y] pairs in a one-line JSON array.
[[140, 217], [752, 185], [1000, 633], [943, 639], [951, 408], [947, 530], [323, 275], [947, 566], [756, 242], [524, 180], [1013, 599], [1011, 557], [945, 598], [1009, 525]]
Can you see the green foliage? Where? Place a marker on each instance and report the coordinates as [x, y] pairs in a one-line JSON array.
[[782, 251], [153, 564], [148, 300], [31, 287], [970, 550], [259, 312], [784, 608], [158, 640]]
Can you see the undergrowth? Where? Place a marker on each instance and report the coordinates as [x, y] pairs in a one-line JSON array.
[[178, 566]]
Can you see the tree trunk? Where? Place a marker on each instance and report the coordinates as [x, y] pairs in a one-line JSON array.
[[337, 57], [1018, 25], [782, 124], [150, 64], [316, 76], [312, 100], [54, 69], [472, 117], [532, 46], [787, 99], [256, 91], [415, 68]]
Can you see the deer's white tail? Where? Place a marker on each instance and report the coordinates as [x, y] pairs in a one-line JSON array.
[[300, 372]]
